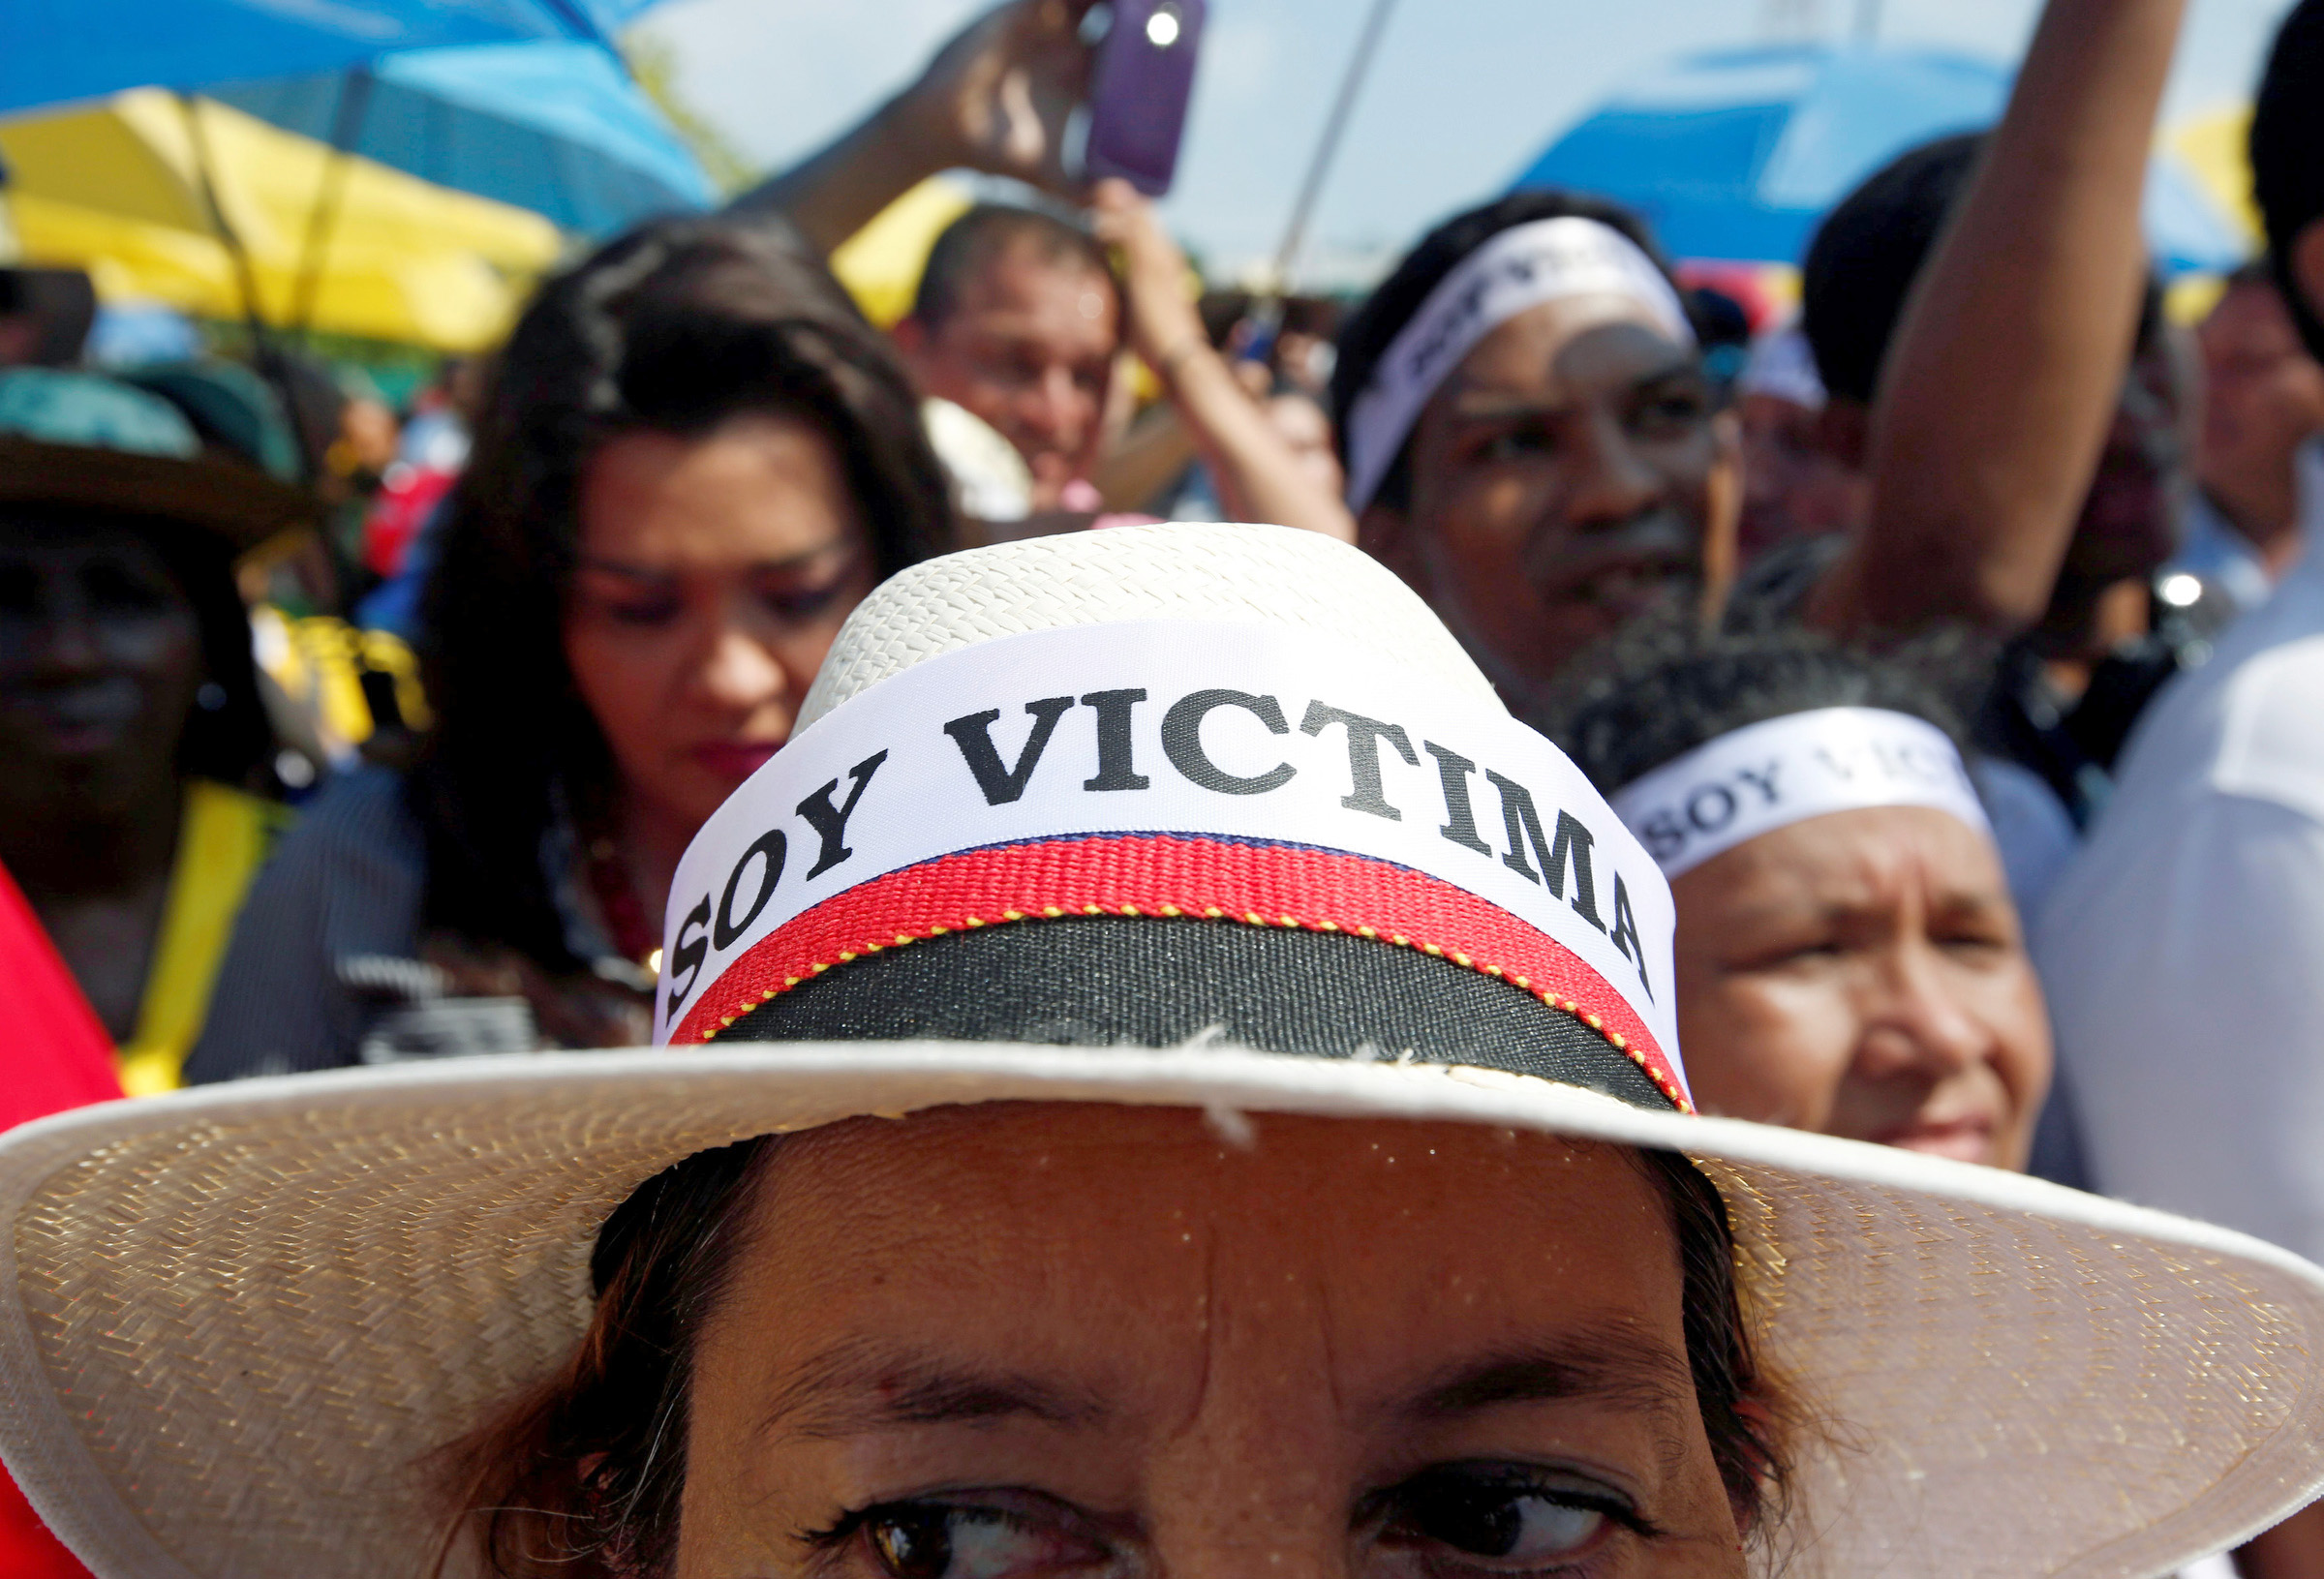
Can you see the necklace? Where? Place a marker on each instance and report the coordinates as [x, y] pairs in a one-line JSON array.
[[634, 937]]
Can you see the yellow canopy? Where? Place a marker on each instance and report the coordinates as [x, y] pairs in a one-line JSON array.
[[880, 264], [115, 189], [2214, 146]]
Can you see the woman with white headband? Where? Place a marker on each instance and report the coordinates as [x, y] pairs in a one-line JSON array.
[[1848, 956], [1531, 444]]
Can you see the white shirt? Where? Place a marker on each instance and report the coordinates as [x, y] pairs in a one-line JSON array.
[[2184, 950], [2222, 555]]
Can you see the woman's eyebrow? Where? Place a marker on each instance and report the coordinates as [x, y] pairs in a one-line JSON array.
[[855, 1389], [1611, 1364], [640, 572]]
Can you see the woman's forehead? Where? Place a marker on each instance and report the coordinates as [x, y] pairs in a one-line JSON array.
[[1566, 347], [1125, 1246], [1071, 1185], [1864, 855]]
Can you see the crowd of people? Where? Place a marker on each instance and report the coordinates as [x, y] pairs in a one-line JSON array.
[[1910, 732]]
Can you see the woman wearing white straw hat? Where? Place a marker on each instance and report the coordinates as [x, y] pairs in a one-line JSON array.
[[1189, 1089]]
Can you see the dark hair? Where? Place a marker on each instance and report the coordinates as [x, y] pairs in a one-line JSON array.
[[971, 243], [1663, 691], [675, 327], [1375, 325], [1870, 249], [2287, 154], [582, 1479]]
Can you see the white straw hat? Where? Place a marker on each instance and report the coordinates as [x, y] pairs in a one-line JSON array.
[[233, 1321]]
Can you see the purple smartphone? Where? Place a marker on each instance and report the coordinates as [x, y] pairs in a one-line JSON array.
[[1138, 91]]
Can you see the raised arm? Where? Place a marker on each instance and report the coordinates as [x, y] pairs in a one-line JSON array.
[[1259, 475], [1995, 402], [995, 99]]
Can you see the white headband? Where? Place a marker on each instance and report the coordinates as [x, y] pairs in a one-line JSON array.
[[1769, 776], [1519, 269]]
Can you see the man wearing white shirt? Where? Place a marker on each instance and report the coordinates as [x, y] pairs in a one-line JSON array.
[[2183, 952], [2263, 400]]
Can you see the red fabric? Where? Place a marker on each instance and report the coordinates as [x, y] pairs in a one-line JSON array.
[[53, 1054], [1272, 885], [406, 497]]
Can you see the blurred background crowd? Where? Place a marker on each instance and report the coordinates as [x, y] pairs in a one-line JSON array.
[[431, 470]]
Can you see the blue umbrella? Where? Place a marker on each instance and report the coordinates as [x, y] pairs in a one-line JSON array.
[[52, 52], [1738, 154], [556, 127]]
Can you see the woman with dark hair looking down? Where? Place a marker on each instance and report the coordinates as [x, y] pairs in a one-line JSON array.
[[696, 460]]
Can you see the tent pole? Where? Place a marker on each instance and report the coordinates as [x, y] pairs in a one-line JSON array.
[[264, 355], [355, 99], [1334, 125]]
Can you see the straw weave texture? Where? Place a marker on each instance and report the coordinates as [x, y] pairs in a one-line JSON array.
[[247, 1315], [1269, 576]]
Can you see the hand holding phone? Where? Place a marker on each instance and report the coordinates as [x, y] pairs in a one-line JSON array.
[[1139, 89]]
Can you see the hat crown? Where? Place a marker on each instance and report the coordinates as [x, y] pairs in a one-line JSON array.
[[1219, 574]]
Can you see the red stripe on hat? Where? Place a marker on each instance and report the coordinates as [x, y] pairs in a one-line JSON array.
[[1175, 876]]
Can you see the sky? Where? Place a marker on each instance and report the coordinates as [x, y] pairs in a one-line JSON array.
[[1463, 95]]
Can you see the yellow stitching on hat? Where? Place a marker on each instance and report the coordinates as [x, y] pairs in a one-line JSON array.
[[1092, 910], [1132, 910], [1430, 950], [846, 958], [1365, 932], [1012, 915], [1170, 910]]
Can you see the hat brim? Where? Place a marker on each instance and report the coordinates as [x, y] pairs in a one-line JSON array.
[[239, 504], [233, 1321]]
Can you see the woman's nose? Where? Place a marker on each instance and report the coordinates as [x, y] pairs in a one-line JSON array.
[[1613, 485], [1917, 1023], [739, 671]]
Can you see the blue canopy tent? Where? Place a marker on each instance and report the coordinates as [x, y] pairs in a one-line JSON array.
[[556, 126], [53, 51], [1738, 154]]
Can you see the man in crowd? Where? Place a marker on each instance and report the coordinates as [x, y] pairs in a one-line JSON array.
[[2263, 398], [1020, 317], [2070, 688], [1018, 320], [2184, 953]]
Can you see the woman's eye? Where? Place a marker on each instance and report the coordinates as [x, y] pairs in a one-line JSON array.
[[1515, 444], [1499, 1524], [803, 602], [643, 615], [1671, 412], [930, 1540]]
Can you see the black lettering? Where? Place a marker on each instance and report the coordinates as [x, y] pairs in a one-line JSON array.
[[1763, 782], [1364, 736], [1182, 741], [1460, 821], [832, 825], [1115, 771], [1727, 807], [973, 734], [769, 845], [687, 957], [1572, 843], [1626, 934], [1664, 834]]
